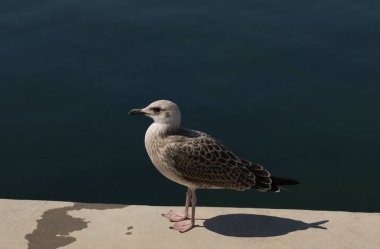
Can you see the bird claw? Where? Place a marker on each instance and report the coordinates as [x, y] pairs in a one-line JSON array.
[[183, 226], [173, 216]]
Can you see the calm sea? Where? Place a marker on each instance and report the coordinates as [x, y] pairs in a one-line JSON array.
[[293, 85]]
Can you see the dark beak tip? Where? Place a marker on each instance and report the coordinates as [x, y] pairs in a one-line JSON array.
[[135, 112]]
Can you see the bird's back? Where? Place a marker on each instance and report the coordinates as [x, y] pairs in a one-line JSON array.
[[205, 162]]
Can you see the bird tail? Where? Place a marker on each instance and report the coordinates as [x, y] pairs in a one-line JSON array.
[[277, 182]]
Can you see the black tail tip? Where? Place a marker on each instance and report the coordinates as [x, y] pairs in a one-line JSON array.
[[292, 182], [283, 181]]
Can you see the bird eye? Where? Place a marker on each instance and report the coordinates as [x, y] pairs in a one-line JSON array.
[[156, 109]]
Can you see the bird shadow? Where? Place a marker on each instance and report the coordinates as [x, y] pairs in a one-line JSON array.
[[254, 225]]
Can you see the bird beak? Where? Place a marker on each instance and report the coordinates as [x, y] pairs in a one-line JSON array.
[[136, 112]]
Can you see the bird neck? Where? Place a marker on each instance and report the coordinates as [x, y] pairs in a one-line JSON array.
[[162, 130]]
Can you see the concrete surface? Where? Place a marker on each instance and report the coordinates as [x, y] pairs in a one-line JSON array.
[[49, 225]]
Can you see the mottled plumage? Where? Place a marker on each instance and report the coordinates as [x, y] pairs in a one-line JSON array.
[[205, 162]]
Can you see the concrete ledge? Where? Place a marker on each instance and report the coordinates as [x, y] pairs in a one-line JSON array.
[[48, 225]]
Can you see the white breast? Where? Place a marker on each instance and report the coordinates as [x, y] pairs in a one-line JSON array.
[[155, 144]]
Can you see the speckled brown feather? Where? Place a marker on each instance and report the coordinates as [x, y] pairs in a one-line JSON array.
[[207, 163]]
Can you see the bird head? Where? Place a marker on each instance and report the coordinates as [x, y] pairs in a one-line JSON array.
[[162, 112]]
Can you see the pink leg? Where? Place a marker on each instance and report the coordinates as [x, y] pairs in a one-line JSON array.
[[186, 225], [174, 216]]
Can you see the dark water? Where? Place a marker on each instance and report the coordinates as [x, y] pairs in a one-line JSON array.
[[293, 85]]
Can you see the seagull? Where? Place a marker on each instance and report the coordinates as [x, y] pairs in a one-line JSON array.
[[198, 161]]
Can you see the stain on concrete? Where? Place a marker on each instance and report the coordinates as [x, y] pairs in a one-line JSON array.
[[129, 228], [56, 224]]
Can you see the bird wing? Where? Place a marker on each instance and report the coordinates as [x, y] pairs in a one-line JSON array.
[[206, 162]]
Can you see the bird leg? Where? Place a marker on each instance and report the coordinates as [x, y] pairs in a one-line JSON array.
[[186, 225], [174, 216]]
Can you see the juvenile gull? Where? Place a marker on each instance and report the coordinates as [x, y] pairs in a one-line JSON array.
[[198, 161]]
